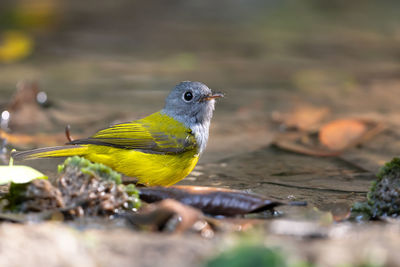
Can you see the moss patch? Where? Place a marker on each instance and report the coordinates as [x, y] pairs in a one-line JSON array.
[[383, 198], [83, 188]]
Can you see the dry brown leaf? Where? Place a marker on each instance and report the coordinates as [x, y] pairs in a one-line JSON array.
[[295, 145], [169, 215], [212, 200], [340, 134], [334, 138], [305, 118], [188, 216]]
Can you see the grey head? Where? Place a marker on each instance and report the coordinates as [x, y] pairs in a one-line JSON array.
[[192, 103]]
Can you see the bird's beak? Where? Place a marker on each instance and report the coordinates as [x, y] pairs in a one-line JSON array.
[[211, 96]]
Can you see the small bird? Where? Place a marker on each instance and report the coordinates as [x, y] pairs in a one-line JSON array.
[[160, 149]]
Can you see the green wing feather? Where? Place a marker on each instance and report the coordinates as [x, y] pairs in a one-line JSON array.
[[157, 133]]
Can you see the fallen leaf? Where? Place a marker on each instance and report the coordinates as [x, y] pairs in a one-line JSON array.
[[170, 216], [213, 201], [19, 174], [304, 118], [339, 134], [333, 139], [293, 143], [186, 216]]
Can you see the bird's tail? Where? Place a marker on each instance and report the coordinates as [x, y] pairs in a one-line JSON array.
[[50, 152]]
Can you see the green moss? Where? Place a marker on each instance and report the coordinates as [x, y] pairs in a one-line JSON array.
[[391, 168], [96, 169], [132, 190], [133, 193], [249, 255], [61, 168], [36, 195], [383, 198], [75, 165], [80, 181], [16, 196]]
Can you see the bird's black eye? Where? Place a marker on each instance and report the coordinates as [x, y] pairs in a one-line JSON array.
[[187, 96]]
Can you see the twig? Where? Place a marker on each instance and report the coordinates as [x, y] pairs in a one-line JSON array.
[[67, 133]]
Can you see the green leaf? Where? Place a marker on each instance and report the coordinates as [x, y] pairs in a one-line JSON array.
[[19, 174]]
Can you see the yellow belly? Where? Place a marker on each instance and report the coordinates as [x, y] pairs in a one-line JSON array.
[[149, 169]]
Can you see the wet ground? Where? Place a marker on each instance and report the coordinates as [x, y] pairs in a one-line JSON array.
[[118, 62]]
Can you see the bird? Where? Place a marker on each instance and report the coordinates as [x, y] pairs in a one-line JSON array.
[[158, 150]]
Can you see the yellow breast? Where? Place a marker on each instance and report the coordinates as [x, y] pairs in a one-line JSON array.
[[149, 169]]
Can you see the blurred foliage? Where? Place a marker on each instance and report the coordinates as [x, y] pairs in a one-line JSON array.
[[29, 15], [14, 46], [286, 44], [248, 249], [249, 256], [19, 22]]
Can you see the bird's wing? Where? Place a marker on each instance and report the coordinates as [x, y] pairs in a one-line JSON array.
[[157, 133]]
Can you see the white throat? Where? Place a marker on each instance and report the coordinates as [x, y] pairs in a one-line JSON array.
[[200, 132]]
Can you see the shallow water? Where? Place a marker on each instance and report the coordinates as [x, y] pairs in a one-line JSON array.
[[114, 64]]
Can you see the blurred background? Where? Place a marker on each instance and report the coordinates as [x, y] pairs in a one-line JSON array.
[[282, 64], [124, 45], [125, 56]]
